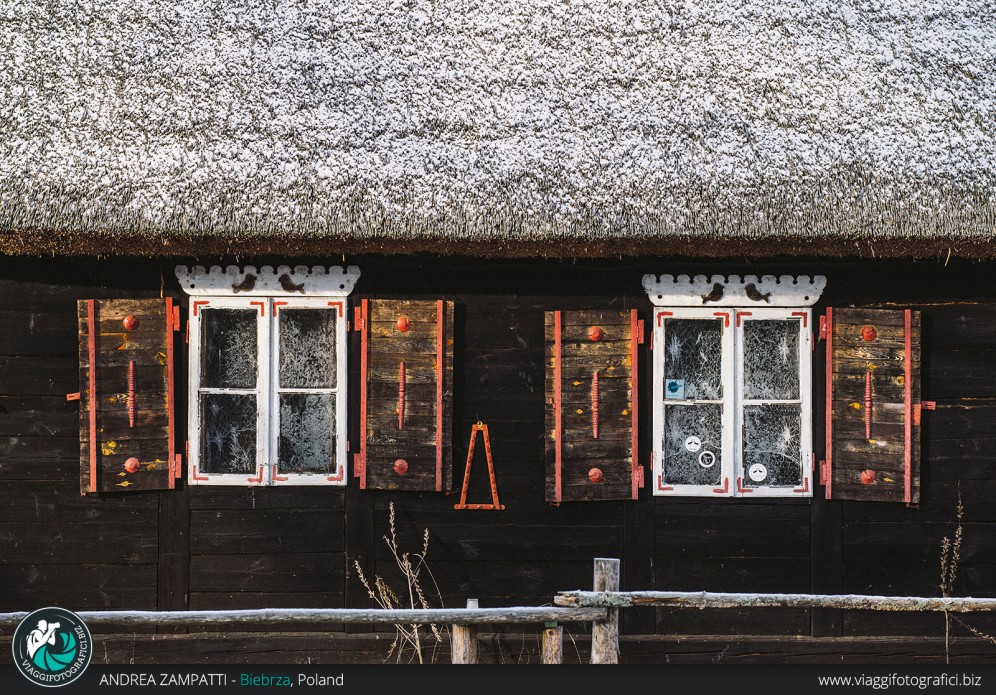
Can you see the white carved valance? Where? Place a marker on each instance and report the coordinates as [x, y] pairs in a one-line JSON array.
[[721, 290], [301, 280]]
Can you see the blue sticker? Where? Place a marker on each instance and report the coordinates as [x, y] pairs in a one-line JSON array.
[[674, 389]]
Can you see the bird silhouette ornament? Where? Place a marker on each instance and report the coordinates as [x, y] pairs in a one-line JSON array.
[[715, 295], [246, 285], [288, 285], [754, 295]]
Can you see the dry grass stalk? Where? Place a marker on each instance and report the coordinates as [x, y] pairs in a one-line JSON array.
[[950, 554], [408, 640]]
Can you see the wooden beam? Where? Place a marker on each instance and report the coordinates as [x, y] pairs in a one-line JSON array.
[[463, 640], [614, 600], [552, 644], [372, 616], [605, 632]]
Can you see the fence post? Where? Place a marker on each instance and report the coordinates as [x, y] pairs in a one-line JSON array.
[[552, 646], [605, 633], [463, 640]]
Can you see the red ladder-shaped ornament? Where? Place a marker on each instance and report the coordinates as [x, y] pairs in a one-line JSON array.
[[495, 504]]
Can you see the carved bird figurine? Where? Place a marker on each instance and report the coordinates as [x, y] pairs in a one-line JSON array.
[[288, 284], [754, 295], [245, 285], [715, 295]]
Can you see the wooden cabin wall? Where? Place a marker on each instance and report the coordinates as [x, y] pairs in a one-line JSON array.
[[220, 547]]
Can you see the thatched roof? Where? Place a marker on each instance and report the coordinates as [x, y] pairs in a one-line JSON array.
[[554, 127]]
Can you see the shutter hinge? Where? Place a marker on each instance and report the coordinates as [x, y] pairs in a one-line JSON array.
[[73, 396], [358, 323], [918, 407], [176, 318], [823, 328], [178, 465], [639, 335], [823, 473], [359, 467], [640, 477]]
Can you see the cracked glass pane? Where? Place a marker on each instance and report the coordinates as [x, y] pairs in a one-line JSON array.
[[228, 422], [693, 364], [771, 445], [771, 360], [307, 433], [693, 444], [228, 348], [307, 348]]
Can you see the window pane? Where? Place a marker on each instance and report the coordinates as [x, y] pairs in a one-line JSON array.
[[771, 360], [693, 364], [307, 348], [228, 422], [307, 433], [228, 348], [693, 444], [771, 445]]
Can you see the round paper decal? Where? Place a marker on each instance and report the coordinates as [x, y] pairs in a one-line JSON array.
[[757, 472], [693, 444], [707, 459]]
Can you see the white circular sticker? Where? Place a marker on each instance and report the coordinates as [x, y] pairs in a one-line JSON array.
[[707, 459], [757, 472], [693, 444]]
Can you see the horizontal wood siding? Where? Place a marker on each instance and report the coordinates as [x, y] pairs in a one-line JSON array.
[[214, 547]]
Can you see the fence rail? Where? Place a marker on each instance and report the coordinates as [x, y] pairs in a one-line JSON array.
[[600, 607], [705, 599]]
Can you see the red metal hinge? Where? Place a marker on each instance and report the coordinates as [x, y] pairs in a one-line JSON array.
[[823, 328], [178, 465], [359, 468], [639, 332], [176, 318], [823, 472], [922, 405], [357, 318]]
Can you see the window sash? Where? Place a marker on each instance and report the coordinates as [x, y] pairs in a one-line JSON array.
[[802, 317], [338, 475]]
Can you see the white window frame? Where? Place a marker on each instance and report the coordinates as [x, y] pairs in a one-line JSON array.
[[269, 291], [732, 476]]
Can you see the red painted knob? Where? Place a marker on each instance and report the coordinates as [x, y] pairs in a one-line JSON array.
[[869, 333], [595, 475], [595, 334], [868, 477], [131, 465], [404, 324], [130, 323], [400, 466]]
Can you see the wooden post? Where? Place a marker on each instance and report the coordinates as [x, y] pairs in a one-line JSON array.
[[463, 640], [605, 633], [552, 646]]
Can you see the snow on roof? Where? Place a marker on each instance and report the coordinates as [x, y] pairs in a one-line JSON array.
[[521, 126]]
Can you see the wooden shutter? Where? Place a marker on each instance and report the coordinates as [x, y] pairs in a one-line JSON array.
[[126, 394], [873, 404], [591, 394], [406, 395]]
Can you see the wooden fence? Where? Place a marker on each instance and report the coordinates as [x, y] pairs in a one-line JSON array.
[[599, 606]]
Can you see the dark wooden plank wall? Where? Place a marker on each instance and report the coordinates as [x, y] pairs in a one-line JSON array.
[[232, 547]]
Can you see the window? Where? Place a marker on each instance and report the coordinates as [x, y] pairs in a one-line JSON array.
[[267, 384], [732, 386]]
